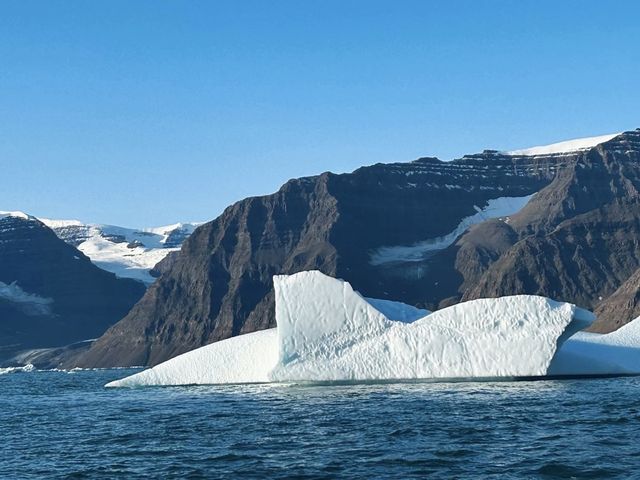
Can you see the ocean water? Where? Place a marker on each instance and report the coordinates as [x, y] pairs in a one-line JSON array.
[[66, 425]]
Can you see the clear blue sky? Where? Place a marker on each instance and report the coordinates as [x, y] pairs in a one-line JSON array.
[[141, 113]]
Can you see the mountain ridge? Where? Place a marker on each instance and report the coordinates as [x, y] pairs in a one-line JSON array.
[[219, 284], [51, 294]]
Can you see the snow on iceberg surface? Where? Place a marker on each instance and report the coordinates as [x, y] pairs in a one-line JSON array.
[[327, 332], [397, 311], [615, 353], [246, 358]]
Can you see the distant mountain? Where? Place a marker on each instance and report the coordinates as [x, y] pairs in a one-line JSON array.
[[562, 221], [127, 252], [51, 294]]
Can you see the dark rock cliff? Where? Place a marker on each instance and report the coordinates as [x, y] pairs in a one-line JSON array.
[[575, 240], [619, 308], [50, 293]]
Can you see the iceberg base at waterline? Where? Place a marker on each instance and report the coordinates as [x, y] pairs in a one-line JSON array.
[[328, 332], [593, 354]]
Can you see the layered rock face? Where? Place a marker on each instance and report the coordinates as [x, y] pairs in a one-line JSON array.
[[579, 238], [428, 233], [50, 293]]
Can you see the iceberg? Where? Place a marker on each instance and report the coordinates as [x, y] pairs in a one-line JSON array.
[[246, 358], [397, 311], [615, 353], [328, 332]]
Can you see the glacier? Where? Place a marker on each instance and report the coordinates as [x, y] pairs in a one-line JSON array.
[[326, 331], [501, 207], [566, 146], [126, 252], [28, 303]]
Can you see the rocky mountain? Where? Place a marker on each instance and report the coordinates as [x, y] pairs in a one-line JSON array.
[[560, 221], [127, 252], [619, 308], [51, 294]]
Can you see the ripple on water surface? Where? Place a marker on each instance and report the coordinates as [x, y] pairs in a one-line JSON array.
[[66, 425]]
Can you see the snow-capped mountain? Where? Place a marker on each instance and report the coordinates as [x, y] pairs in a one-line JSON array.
[[567, 146], [51, 294], [560, 221], [127, 252]]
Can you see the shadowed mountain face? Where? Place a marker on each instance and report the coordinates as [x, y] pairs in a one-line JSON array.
[[429, 233], [579, 239], [619, 308], [50, 293]]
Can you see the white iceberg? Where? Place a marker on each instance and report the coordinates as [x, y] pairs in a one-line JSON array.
[[397, 311], [327, 332], [615, 353], [246, 358]]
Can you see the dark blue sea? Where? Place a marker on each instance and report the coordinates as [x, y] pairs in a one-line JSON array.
[[66, 425]]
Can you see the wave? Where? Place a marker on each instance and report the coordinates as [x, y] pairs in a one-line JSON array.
[[29, 368], [24, 368]]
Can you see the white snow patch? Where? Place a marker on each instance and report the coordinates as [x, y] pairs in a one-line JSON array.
[[53, 224], [16, 214], [564, 147], [327, 332], [122, 260], [166, 230], [28, 303], [501, 207]]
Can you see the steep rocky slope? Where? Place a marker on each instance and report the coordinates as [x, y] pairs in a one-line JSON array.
[[50, 293], [620, 308], [428, 233], [579, 238]]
